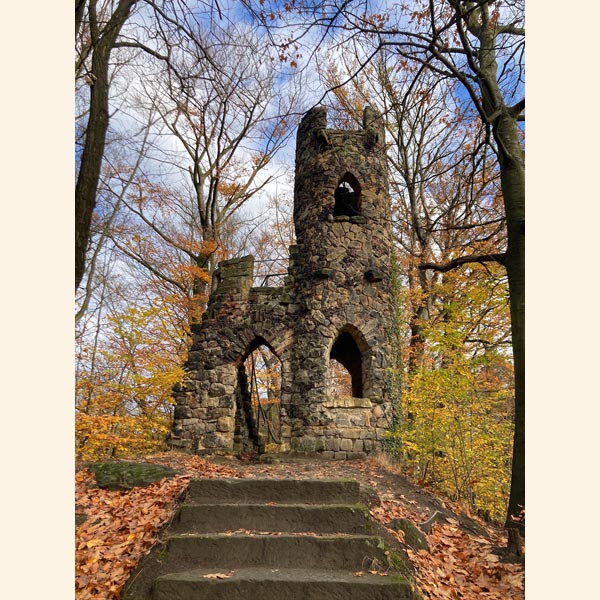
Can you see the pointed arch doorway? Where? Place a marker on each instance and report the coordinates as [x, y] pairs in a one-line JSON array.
[[258, 401]]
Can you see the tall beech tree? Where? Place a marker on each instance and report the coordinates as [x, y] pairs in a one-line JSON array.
[[108, 32], [222, 124], [97, 28], [444, 190], [480, 44], [454, 326]]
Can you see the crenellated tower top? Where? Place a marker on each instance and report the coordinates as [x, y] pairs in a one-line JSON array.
[[341, 177]]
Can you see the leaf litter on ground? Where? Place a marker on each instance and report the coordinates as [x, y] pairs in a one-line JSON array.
[[121, 527]]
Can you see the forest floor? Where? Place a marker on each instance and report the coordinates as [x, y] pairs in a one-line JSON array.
[[466, 557]]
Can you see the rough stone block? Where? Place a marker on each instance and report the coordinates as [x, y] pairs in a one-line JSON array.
[[124, 475], [339, 456], [342, 420], [182, 412], [225, 424], [356, 455], [360, 417], [332, 444], [217, 440], [217, 389], [346, 444], [353, 434], [413, 536], [360, 402]]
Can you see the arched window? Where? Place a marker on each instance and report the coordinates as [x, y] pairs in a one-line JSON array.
[[346, 352], [347, 197]]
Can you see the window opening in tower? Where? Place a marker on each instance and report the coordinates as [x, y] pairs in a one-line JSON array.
[[346, 200], [346, 352]]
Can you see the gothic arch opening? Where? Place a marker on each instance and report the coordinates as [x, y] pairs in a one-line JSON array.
[[258, 400], [347, 197], [346, 363]]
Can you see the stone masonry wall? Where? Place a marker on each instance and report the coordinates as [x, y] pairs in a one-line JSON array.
[[336, 303]]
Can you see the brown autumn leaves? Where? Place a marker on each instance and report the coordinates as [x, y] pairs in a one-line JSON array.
[[121, 527]]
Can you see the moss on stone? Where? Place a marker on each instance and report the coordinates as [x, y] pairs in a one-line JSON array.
[[412, 535], [124, 475]]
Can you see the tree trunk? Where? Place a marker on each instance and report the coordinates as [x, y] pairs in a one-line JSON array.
[[95, 137], [513, 189], [512, 179], [515, 542]]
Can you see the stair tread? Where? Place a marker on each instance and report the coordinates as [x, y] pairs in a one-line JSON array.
[[266, 490], [288, 574], [277, 504], [274, 584], [274, 535]]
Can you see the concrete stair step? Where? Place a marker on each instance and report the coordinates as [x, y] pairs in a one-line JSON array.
[[278, 584], [329, 518], [353, 552], [280, 491]]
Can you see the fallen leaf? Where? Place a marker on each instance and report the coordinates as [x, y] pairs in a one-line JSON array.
[[218, 575]]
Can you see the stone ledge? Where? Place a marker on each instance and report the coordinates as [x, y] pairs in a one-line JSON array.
[[348, 403]]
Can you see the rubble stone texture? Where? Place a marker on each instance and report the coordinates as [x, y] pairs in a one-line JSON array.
[[336, 303]]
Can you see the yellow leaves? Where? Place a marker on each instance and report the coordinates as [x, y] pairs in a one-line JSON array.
[[124, 401], [218, 575], [456, 433], [458, 437]]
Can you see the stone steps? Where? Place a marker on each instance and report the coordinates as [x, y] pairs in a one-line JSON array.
[[272, 584], [355, 552], [291, 518], [267, 539], [280, 491]]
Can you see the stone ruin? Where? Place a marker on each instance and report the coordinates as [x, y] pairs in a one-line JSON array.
[[335, 304]]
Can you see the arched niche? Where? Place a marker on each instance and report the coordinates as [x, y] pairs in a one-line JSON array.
[[349, 350], [347, 197]]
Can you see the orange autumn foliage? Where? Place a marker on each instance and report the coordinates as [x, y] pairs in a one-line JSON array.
[[124, 384]]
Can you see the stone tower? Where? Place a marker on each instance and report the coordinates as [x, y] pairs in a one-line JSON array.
[[336, 304]]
